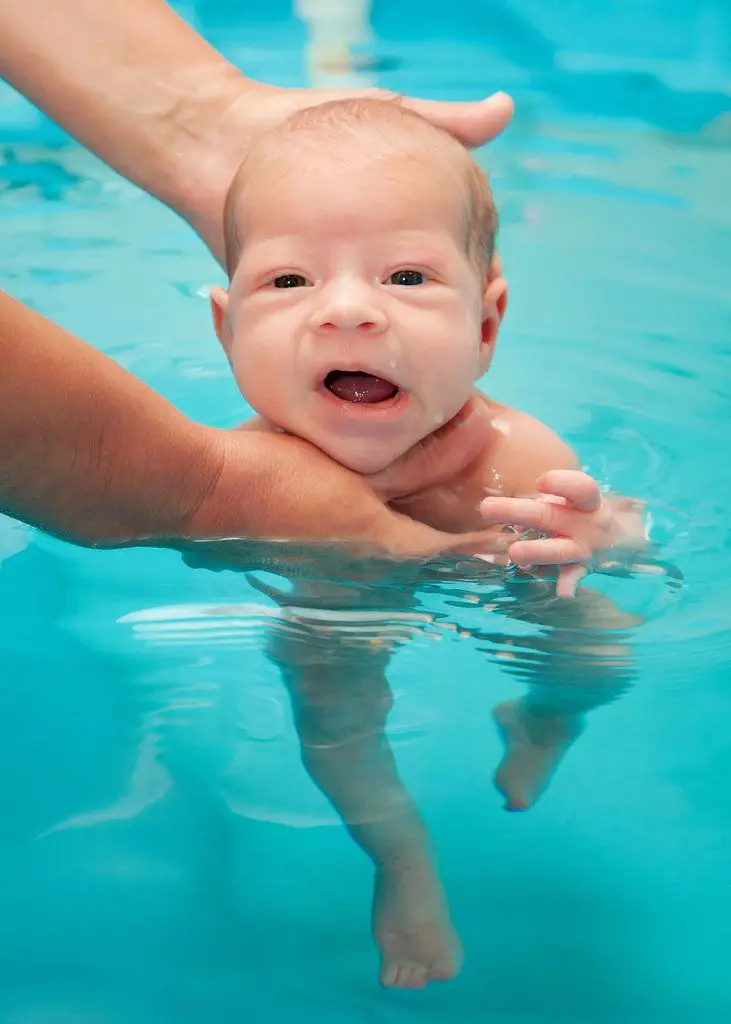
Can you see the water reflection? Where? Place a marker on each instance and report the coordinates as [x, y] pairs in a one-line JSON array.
[[14, 538], [42, 172]]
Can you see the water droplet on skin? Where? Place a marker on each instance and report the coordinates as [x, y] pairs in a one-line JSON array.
[[501, 425]]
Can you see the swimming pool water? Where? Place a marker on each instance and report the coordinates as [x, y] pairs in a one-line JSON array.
[[165, 858]]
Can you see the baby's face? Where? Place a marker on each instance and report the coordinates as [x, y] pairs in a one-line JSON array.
[[355, 318]]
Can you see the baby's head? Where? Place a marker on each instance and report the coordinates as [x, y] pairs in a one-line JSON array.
[[360, 309]]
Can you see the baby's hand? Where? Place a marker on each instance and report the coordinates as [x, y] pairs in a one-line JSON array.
[[581, 524]]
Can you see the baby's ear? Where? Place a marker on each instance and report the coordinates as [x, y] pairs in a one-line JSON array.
[[219, 309], [494, 305]]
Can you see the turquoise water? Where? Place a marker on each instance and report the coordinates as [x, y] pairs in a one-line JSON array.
[[165, 857]]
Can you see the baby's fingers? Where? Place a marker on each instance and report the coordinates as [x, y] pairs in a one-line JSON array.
[[579, 489], [549, 551], [533, 513]]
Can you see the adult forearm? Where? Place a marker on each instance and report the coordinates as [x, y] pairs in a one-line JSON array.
[[132, 82], [87, 451]]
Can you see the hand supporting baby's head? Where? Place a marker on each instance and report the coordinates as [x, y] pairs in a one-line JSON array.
[[352, 135], [361, 307]]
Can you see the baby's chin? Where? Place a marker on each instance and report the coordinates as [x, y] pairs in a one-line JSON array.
[[365, 458]]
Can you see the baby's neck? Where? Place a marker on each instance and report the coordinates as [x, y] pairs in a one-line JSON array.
[[261, 423]]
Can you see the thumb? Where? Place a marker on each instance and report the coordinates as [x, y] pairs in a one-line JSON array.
[[403, 537], [472, 123]]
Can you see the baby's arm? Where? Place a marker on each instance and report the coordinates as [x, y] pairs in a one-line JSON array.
[[545, 491], [582, 657], [516, 450], [526, 476]]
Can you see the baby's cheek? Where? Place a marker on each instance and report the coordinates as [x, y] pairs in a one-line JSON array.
[[450, 375], [261, 378]]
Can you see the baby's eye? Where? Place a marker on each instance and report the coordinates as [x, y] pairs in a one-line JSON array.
[[407, 277], [290, 281]]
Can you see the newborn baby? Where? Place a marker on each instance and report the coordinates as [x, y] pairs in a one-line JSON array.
[[364, 303]]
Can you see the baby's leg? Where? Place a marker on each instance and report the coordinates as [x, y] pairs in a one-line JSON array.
[[341, 700], [581, 661]]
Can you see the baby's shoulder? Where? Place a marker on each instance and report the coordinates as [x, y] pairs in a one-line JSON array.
[[519, 448]]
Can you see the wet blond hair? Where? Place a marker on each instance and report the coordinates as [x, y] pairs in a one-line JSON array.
[[392, 128]]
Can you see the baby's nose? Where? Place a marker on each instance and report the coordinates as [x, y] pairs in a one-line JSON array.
[[349, 312]]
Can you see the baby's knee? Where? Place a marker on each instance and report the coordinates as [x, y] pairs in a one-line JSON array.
[[334, 717]]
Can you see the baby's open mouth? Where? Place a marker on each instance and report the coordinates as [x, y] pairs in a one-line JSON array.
[[358, 386]]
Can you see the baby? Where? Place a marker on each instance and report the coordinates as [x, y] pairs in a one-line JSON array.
[[364, 302]]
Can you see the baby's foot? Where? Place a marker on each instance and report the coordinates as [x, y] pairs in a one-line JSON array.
[[534, 748], [412, 928]]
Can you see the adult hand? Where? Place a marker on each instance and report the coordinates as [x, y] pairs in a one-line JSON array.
[[274, 487], [139, 87], [259, 107]]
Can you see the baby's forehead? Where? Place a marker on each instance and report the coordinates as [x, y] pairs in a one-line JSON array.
[[369, 149], [390, 151]]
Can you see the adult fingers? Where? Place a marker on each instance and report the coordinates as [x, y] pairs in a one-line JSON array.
[[472, 123]]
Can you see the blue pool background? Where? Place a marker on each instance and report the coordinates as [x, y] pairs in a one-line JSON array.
[[207, 897]]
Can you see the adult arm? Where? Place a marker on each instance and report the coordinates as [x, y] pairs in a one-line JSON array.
[[140, 88], [87, 451]]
